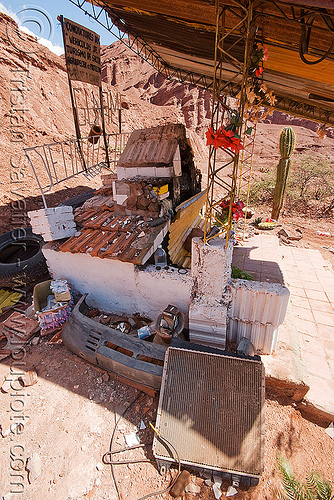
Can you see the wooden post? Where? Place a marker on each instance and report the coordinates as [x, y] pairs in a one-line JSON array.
[[74, 109], [103, 127], [120, 120]]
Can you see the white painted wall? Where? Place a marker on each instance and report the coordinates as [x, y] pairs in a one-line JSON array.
[[120, 287]]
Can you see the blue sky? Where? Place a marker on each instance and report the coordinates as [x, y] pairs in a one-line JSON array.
[[34, 17]]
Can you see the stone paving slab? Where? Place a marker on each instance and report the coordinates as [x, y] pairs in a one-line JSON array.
[[305, 348]]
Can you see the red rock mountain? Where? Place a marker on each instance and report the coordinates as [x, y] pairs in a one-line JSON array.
[[148, 99]]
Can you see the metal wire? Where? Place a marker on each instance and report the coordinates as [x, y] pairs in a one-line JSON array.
[[112, 452]]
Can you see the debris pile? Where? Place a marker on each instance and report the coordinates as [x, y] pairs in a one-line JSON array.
[[15, 332], [52, 304]]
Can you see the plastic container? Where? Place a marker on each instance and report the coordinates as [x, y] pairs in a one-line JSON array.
[[160, 258], [146, 331]]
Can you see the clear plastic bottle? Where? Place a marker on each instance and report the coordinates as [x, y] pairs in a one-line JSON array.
[[160, 258]]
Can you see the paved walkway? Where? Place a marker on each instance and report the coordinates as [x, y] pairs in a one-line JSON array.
[[310, 280]]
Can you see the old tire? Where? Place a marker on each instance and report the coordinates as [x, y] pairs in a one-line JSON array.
[[21, 259]]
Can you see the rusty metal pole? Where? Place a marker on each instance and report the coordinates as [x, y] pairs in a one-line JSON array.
[[244, 32]]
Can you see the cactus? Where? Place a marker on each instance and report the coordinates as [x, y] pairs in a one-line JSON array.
[[287, 142]]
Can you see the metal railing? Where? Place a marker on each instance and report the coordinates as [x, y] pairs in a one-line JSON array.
[[87, 103], [59, 161]]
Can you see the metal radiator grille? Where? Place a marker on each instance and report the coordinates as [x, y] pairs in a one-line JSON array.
[[211, 409]]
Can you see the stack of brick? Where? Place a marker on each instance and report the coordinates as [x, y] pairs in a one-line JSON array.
[[108, 179], [138, 197], [53, 223]]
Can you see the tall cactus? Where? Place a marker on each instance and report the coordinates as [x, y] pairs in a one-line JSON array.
[[287, 142]]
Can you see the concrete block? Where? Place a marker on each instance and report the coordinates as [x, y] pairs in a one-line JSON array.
[[256, 311], [126, 173], [46, 227], [164, 172], [259, 301], [47, 212], [53, 223], [263, 336], [211, 267], [207, 323], [147, 171]]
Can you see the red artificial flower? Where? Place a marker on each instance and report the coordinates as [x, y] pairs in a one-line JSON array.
[[223, 139], [213, 138], [259, 71], [230, 141], [237, 207]]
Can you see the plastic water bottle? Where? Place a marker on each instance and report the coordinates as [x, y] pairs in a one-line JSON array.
[[160, 258]]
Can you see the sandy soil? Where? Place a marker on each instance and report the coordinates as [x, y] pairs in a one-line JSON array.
[[69, 420], [70, 412]]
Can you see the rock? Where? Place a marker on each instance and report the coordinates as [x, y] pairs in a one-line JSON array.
[[105, 377], [208, 482], [192, 488], [290, 234], [34, 467], [216, 491], [28, 379], [231, 491], [132, 439], [142, 426], [35, 340], [6, 386], [182, 481], [330, 430], [30, 312]]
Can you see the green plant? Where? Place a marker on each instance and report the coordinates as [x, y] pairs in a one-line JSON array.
[[239, 274], [287, 142], [312, 177], [261, 190], [315, 488]]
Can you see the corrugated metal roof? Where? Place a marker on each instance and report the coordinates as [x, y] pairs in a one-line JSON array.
[[188, 217], [180, 35], [106, 235]]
